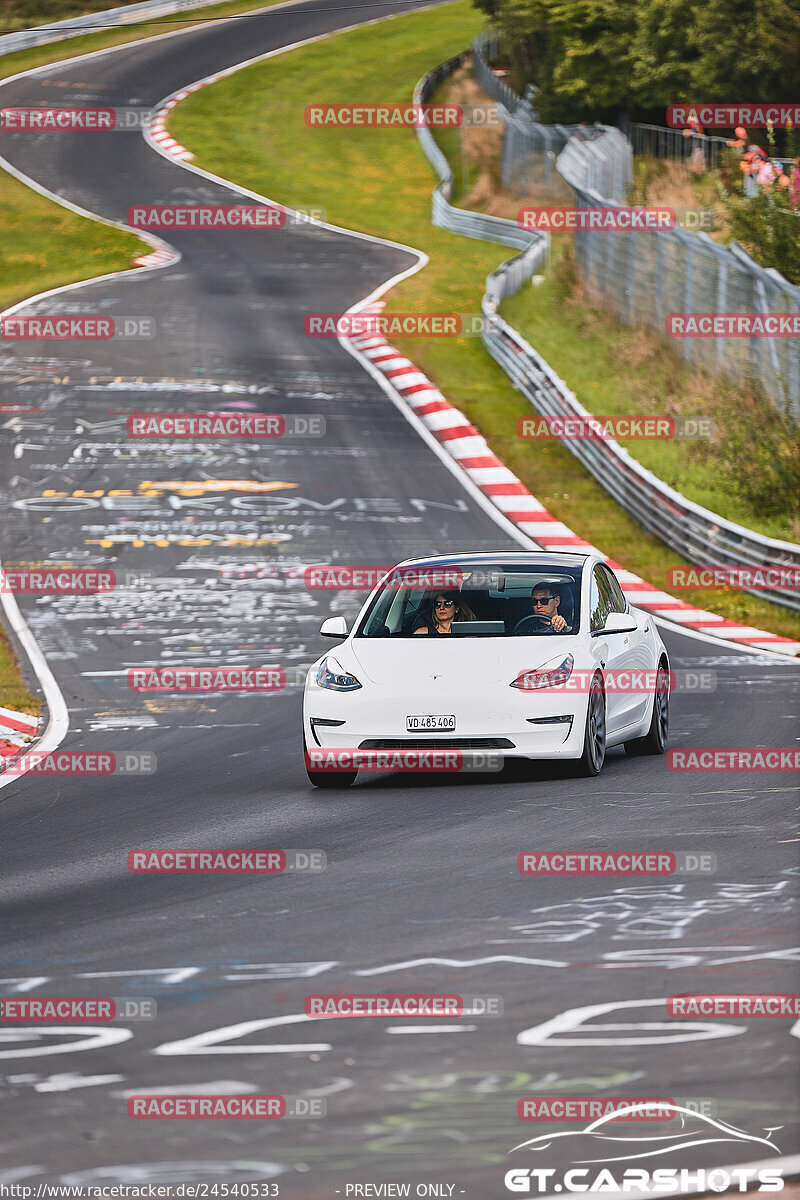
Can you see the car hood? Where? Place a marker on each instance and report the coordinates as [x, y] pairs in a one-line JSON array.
[[456, 660]]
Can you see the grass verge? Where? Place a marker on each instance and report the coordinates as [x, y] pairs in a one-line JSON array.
[[13, 692], [23, 14], [249, 126]]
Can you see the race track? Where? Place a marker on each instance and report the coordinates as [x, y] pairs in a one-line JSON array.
[[421, 891]]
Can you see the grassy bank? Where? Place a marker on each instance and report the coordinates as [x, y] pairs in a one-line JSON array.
[[24, 14], [249, 128], [13, 692]]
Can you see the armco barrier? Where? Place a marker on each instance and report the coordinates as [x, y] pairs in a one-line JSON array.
[[23, 39], [460, 220], [695, 533]]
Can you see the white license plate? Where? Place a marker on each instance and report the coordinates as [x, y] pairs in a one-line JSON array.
[[430, 724]]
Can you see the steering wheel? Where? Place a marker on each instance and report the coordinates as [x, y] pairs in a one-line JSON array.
[[541, 623]]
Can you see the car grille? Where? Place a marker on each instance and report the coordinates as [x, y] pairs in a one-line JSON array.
[[436, 743]]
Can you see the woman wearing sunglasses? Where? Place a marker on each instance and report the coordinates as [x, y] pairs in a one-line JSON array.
[[445, 607]]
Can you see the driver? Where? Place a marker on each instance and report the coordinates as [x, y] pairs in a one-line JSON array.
[[545, 618]]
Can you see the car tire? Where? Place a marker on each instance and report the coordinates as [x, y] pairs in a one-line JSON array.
[[655, 740], [328, 779], [594, 738]]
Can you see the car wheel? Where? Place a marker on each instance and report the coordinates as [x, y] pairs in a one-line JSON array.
[[594, 738], [655, 740], [328, 779]]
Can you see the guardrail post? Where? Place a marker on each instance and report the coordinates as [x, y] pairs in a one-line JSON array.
[[722, 300], [688, 294]]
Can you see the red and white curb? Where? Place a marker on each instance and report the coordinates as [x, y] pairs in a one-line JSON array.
[[18, 731], [500, 486], [158, 129]]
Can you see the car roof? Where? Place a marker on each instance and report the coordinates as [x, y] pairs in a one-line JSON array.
[[519, 558]]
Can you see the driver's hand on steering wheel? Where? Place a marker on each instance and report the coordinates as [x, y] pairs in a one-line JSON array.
[[558, 623]]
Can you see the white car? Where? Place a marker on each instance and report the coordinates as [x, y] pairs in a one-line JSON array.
[[566, 677]]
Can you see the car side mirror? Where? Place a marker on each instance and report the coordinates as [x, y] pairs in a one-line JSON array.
[[334, 627], [617, 622]]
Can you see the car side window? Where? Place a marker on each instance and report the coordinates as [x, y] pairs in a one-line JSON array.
[[601, 601], [615, 591]]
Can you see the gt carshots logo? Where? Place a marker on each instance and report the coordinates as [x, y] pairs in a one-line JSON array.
[[600, 1151], [657, 1182]]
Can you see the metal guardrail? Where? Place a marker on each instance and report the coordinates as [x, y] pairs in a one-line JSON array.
[[23, 39], [461, 220], [696, 533], [660, 142]]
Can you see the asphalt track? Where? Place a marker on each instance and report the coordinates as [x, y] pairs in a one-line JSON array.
[[421, 891]]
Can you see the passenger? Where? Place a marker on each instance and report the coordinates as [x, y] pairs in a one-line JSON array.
[[445, 608]]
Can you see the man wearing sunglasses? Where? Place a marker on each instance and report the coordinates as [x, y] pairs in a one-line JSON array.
[[545, 618]]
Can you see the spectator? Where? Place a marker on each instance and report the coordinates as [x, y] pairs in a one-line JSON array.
[[781, 176], [765, 174], [697, 158], [741, 138], [794, 184]]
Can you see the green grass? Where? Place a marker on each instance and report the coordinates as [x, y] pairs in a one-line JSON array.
[[250, 128], [13, 692], [43, 245]]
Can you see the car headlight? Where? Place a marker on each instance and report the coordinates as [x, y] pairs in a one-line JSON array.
[[554, 673], [333, 677]]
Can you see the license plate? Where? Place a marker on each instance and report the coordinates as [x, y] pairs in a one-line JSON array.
[[432, 724]]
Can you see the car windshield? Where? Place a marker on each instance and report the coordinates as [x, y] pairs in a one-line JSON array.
[[481, 601]]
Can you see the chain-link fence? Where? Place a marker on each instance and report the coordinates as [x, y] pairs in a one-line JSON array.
[[645, 276]]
